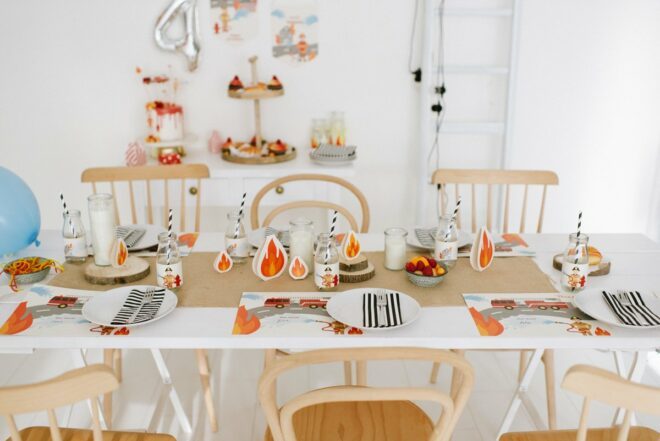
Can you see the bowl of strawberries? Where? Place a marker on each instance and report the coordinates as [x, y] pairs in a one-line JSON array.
[[425, 271]]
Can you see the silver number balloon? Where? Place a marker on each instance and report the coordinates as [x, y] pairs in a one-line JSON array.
[[188, 44]]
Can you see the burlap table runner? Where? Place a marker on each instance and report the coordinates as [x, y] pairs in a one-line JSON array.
[[205, 287]]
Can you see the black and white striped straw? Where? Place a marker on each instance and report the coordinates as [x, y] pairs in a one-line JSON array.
[[453, 219], [169, 237], [333, 224], [579, 230], [240, 215], [66, 211]]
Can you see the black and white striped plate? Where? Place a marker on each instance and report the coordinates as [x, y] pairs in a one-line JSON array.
[[102, 308], [348, 307], [591, 302]]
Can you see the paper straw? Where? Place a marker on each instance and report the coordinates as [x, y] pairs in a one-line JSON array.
[[66, 211], [240, 215], [333, 223], [453, 219], [579, 228], [169, 237]]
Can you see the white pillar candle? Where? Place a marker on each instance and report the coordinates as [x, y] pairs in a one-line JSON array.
[[395, 248], [102, 225], [301, 243]]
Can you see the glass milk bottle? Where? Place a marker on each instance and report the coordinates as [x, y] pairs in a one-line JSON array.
[[395, 248], [326, 263], [169, 268], [575, 266], [337, 129], [319, 133], [102, 225], [301, 240], [446, 241], [73, 232], [236, 241]]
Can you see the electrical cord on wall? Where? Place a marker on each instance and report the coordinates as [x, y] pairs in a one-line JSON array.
[[417, 73]]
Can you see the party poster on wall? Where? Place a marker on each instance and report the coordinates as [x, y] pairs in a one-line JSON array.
[[295, 30], [234, 20]]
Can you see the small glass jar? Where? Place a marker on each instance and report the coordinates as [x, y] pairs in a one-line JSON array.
[[319, 133], [73, 232], [102, 225], [169, 268], [446, 241], [395, 248], [337, 129], [575, 266], [301, 240], [326, 263], [236, 240]]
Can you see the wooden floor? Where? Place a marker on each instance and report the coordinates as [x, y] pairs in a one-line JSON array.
[[240, 418]]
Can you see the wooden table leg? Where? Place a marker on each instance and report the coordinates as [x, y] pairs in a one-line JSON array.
[[549, 365], [108, 359], [522, 365], [205, 378], [117, 361]]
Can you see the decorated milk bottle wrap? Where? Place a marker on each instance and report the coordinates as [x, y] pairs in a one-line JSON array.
[[575, 266], [236, 241], [326, 263], [73, 232], [446, 241], [169, 268]]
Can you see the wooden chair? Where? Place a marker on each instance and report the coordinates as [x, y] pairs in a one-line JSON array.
[[506, 178], [147, 174], [81, 384], [254, 210], [607, 387], [362, 413]]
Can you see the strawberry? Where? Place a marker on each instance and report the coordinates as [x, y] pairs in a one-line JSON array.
[[410, 267], [420, 266], [428, 271], [432, 263]]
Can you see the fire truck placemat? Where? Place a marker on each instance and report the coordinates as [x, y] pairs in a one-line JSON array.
[[295, 314], [529, 315]]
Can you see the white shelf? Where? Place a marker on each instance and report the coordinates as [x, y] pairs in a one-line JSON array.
[[475, 70], [477, 12], [473, 128]]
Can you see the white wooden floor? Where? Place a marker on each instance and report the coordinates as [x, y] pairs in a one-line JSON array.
[[236, 373]]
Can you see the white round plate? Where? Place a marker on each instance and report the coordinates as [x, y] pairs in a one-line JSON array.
[[464, 238], [346, 307], [591, 302], [150, 238], [102, 308]]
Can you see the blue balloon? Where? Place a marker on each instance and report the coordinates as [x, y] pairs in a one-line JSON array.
[[19, 214]]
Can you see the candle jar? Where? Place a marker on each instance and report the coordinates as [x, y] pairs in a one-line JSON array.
[[102, 225], [73, 232], [337, 129], [326, 263], [395, 248], [169, 268], [235, 239], [575, 266], [319, 133], [301, 240], [446, 241]]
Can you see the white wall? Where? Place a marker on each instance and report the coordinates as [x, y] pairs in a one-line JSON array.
[[69, 97]]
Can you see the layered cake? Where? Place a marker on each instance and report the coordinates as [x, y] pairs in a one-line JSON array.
[[165, 121]]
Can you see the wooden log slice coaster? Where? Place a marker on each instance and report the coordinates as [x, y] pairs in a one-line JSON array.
[[357, 276], [359, 264], [133, 270], [602, 269]]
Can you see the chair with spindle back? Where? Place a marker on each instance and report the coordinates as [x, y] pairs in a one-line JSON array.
[[361, 413], [81, 384], [596, 384], [147, 174], [505, 178]]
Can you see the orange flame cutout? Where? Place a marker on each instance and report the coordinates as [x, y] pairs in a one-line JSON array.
[[486, 326], [18, 321], [119, 253], [223, 262], [351, 247], [188, 239], [245, 324], [271, 259], [486, 250], [298, 269]]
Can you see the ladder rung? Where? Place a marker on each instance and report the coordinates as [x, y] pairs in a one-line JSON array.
[[486, 128], [475, 12], [478, 70]]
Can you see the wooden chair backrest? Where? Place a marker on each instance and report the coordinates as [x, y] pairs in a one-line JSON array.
[[280, 419], [607, 387], [73, 386], [150, 173], [507, 178], [254, 210]]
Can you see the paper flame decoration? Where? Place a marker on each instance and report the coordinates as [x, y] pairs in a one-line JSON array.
[[270, 260], [135, 155], [215, 142], [119, 253], [483, 250], [350, 246], [298, 269], [223, 262]]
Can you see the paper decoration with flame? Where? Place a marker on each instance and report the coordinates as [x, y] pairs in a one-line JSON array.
[[298, 269], [223, 262], [270, 260], [350, 246], [119, 253], [483, 250]]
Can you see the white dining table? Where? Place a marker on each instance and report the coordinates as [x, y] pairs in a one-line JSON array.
[[635, 260]]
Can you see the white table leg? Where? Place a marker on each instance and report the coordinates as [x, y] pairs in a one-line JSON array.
[[532, 365], [174, 396], [634, 374], [80, 361]]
